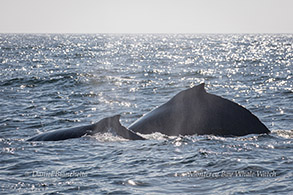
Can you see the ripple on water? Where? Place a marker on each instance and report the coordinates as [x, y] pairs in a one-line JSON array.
[[50, 82]]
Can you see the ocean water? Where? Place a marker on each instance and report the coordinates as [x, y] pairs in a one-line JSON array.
[[56, 81]]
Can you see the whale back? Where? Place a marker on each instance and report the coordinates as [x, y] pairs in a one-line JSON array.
[[194, 111], [109, 124]]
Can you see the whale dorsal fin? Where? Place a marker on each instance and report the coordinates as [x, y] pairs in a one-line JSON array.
[[114, 121], [116, 117], [200, 87]]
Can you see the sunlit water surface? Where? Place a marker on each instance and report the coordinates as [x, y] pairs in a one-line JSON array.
[[49, 82]]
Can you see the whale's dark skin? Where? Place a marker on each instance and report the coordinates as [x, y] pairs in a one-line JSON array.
[[194, 111], [107, 124]]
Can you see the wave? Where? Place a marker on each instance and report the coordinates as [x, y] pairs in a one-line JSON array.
[[34, 81], [288, 134]]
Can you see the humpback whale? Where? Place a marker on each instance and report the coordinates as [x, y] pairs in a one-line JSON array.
[[109, 124], [194, 111]]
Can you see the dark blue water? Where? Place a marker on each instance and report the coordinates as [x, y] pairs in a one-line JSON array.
[[49, 82]]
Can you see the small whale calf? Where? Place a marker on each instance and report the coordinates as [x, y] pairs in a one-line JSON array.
[[109, 124], [192, 111]]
